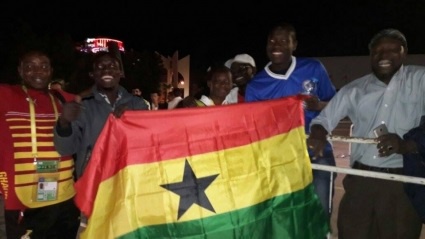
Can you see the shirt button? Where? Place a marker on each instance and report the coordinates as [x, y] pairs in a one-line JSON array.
[[386, 105], [374, 156], [382, 122]]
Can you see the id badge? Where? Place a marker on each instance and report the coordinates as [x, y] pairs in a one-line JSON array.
[[47, 166], [47, 189]]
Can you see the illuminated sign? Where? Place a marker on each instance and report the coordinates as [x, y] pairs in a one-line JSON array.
[[100, 44]]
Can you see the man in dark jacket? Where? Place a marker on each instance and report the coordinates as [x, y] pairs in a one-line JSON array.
[[414, 165], [82, 121]]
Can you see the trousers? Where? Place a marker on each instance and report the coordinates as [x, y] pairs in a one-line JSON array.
[[58, 221], [323, 181]]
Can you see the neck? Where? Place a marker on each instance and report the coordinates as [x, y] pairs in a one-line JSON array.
[[111, 93], [280, 68], [31, 88], [217, 100], [241, 90]]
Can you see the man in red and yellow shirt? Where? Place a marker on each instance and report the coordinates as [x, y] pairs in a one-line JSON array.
[[37, 182]]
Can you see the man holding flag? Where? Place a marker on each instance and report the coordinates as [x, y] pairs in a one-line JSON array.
[[203, 176]]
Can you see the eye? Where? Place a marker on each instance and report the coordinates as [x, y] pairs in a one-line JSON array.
[[45, 66]]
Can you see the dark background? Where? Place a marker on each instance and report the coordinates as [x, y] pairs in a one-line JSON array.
[[214, 31], [218, 30]]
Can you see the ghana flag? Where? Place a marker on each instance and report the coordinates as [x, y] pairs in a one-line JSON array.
[[235, 171]]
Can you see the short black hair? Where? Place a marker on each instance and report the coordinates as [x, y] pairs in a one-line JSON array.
[[35, 51], [388, 33], [217, 70], [176, 92], [156, 91], [284, 26]]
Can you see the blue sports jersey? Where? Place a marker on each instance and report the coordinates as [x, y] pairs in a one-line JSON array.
[[268, 85]]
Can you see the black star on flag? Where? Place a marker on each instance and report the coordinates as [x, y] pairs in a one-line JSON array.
[[191, 190]]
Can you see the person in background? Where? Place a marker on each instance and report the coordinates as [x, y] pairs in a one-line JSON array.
[[287, 75], [243, 69], [82, 120], [174, 97], [137, 92], [155, 104], [393, 94], [26, 125], [219, 81]]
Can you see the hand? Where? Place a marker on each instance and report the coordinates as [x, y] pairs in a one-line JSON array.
[[317, 146], [119, 110], [317, 140], [312, 103], [392, 143], [70, 112], [389, 144], [80, 230], [83, 225]]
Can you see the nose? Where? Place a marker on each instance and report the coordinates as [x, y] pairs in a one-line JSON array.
[[39, 69]]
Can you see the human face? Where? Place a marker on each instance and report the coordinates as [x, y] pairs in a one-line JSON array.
[[136, 92], [387, 56], [220, 85], [170, 96], [155, 98], [280, 46], [35, 71], [106, 73], [241, 73]]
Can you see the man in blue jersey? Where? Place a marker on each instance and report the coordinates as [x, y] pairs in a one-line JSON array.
[[287, 75]]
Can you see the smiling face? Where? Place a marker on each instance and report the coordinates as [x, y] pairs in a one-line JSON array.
[[241, 73], [106, 72], [387, 55], [281, 43], [35, 70], [220, 83]]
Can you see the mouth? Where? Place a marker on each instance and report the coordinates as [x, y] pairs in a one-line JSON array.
[[107, 78], [384, 63], [239, 78], [277, 53]]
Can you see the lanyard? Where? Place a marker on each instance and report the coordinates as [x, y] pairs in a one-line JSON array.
[[32, 120]]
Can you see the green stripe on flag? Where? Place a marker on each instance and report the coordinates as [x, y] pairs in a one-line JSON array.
[[295, 215]]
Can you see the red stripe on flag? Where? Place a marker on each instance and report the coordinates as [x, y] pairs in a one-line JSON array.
[[152, 136]]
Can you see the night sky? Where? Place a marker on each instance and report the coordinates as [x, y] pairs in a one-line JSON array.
[[215, 31]]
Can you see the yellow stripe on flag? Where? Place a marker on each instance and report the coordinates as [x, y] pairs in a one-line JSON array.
[[247, 175]]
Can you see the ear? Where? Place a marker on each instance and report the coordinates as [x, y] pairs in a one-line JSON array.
[[295, 45], [404, 50], [20, 73]]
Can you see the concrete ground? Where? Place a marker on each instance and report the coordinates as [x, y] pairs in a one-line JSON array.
[[342, 157]]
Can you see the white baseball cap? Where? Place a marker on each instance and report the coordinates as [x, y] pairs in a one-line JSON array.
[[228, 63], [241, 58]]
